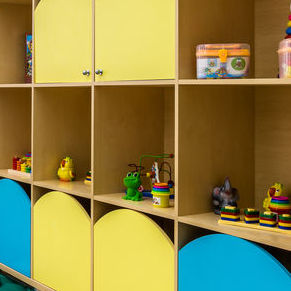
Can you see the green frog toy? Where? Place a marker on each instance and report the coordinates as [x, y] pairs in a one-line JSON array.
[[132, 182]]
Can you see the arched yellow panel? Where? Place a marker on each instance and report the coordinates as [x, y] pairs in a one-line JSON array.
[[61, 243], [135, 39], [63, 41], [132, 253]]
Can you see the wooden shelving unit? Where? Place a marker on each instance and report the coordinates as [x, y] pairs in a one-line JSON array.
[[216, 128]]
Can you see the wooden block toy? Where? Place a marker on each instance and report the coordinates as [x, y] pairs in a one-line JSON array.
[[88, 179], [284, 221], [230, 213], [252, 215], [268, 219]]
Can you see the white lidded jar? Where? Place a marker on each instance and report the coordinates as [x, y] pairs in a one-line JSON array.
[[285, 58]]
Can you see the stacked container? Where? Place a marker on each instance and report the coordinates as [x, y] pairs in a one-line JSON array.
[[222, 61]]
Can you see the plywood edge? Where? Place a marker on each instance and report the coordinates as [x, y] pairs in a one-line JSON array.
[[254, 226], [73, 188], [25, 279], [210, 221], [242, 82], [58, 85], [4, 173], [144, 206], [158, 83], [24, 85]]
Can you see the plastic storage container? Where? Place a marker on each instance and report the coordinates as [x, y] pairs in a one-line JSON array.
[[222, 61], [285, 58]]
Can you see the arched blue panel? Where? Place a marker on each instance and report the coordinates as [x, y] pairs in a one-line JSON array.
[[222, 262], [15, 227]]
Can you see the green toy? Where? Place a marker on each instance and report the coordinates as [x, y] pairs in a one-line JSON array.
[[132, 182]]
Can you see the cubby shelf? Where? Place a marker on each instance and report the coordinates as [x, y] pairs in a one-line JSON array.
[[145, 206], [19, 2], [158, 83], [77, 188], [210, 221], [242, 82], [11, 85], [5, 174], [60, 85]]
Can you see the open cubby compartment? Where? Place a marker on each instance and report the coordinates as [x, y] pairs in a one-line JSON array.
[[216, 140], [16, 17], [240, 132], [129, 122], [15, 127], [62, 127], [260, 23]]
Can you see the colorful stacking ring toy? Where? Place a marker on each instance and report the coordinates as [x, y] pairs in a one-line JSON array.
[[268, 219], [280, 205], [230, 213], [252, 215], [161, 195], [285, 221], [88, 179]]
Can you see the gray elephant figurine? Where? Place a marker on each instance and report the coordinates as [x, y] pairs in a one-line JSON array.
[[224, 196]]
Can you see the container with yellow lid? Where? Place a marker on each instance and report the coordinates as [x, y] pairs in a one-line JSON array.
[[222, 61], [285, 58]]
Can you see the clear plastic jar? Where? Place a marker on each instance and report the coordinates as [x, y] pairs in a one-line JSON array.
[[285, 58]]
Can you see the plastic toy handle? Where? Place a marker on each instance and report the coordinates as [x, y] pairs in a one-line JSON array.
[[161, 156]]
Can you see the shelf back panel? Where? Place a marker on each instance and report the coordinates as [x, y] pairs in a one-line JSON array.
[[129, 122], [273, 140], [62, 127], [203, 22], [15, 22], [271, 17], [15, 124]]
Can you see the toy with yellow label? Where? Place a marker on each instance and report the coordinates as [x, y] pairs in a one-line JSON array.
[[222, 61]]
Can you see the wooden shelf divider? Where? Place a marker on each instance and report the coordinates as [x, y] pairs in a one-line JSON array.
[[77, 188], [145, 206]]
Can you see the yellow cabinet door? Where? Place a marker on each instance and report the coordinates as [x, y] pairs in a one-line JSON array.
[[135, 40], [63, 41]]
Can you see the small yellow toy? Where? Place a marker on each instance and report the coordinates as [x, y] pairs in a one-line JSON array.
[[275, 190], [66, 172]]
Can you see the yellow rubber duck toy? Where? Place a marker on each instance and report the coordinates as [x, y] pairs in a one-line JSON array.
[[275, 190], [66, 172]]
